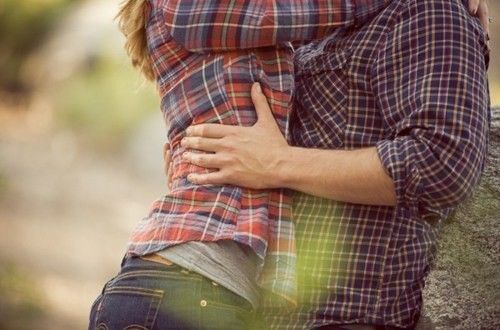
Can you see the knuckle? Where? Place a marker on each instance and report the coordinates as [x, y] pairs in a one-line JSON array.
[[197, 159], [196, 179], [229, 144], [201, 130], [229, 174]]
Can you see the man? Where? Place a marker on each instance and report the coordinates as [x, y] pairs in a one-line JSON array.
[[389, 134]]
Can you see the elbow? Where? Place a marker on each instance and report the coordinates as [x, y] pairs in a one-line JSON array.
[[180, 35], [451, 191], [199, 44], [453, 182]]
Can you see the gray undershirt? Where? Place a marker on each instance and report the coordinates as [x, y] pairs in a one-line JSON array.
[[225, 262]]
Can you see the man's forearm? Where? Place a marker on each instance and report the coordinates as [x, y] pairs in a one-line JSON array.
[[355, 176]]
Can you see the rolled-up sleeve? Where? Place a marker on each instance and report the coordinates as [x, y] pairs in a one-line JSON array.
[[431, 84], [201, 25]]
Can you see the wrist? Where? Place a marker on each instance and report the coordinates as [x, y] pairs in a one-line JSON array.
[[283, 173]]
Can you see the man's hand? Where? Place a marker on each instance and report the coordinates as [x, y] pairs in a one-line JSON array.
[[244, 156], [480, 9], [259, 157]]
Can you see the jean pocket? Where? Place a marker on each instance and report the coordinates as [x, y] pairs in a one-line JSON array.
[[127, 307], [93, 310]]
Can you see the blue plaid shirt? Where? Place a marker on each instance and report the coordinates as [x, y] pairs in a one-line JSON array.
[[411, 83]]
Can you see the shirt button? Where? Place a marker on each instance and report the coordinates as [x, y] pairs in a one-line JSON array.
[[203, 303]]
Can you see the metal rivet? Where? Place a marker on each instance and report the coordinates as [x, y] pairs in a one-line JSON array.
[[203, 303], [215, 284]]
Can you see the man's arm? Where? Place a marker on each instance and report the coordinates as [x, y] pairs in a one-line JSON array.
[[259, 157], [354, 176], [437, 108], [236, 24], [433, 93]]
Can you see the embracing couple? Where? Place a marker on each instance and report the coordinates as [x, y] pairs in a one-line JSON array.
[[315, 146]]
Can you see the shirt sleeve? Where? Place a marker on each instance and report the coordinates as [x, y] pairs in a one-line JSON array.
[[237, 24], [433, 93]]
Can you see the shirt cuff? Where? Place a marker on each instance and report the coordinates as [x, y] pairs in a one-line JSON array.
[[396, 159]]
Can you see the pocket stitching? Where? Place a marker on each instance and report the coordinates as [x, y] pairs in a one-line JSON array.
[[147, 274], [155, 296], [131, 289]]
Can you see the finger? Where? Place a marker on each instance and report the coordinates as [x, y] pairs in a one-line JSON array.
[[167, 158], [261, 105], [208, 178], [211, 161], [201, 143], [473, 6], [214, 131], [166, 150], [170, 176], [483, 14], [166, 169]]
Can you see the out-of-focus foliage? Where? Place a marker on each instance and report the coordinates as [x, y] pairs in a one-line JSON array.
[[3, 183], [24, 24], [105, 103], [20, 301]]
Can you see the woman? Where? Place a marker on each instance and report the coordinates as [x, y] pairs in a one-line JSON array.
[[205, 253]]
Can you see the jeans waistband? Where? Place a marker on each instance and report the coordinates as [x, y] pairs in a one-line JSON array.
[[138, 262]]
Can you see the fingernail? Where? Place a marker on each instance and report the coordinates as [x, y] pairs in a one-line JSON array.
[[259, 89], [191, 178], [472, 10], [189, 130], [183, 142]]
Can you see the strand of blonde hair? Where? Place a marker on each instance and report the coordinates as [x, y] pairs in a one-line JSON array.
[[132, 23]]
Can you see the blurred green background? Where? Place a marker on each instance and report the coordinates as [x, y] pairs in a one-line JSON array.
[[80, 157]]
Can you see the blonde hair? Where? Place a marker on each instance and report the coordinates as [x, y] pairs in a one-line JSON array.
[[132, 23]]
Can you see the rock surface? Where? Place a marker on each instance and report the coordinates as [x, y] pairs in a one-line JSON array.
[[463, 290]]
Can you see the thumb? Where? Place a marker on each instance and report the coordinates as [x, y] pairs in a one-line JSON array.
[[262, 108]]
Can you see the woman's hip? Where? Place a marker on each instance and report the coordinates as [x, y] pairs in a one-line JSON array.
[[150, 295]]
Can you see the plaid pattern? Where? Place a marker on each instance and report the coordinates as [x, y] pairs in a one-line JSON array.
[[412, 83], [228, 24], [214, 87]]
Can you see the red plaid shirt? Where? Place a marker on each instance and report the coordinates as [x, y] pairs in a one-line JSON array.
[[206, 55]]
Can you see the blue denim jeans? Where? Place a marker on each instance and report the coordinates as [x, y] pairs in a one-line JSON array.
[[149, 295]]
